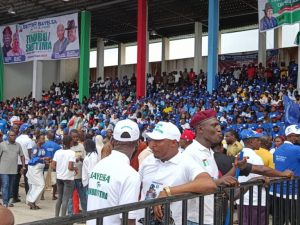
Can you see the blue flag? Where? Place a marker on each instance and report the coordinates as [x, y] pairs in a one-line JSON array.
[[292, 111]]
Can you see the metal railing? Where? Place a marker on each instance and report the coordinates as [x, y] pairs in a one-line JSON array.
[[278, 209]]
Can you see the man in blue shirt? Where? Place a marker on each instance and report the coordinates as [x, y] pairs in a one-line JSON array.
[[3, 125], [51, 147], [287, 156]]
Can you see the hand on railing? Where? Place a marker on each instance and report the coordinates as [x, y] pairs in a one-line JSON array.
[[288, 173], [227, 181], [265, 180], [158, 211]]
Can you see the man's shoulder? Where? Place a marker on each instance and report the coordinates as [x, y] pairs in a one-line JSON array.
[[254, 158], [287, 146], [195, 148], [149, 160], [238, 144], [23, 138]]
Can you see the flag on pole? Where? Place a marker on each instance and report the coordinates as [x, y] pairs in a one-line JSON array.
[[292, 111]]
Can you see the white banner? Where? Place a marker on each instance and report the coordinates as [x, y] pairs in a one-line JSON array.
[[43, 39]]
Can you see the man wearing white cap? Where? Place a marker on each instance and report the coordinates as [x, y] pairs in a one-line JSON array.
[[287, 156], [167, 172], [113, 181]]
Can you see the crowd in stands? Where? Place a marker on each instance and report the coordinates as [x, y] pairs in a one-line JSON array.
[[246, 98]]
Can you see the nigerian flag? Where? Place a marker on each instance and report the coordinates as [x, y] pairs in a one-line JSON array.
[[1, 74], [296, 42]]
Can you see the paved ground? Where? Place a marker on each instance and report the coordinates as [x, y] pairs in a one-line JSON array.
[[23, 214]]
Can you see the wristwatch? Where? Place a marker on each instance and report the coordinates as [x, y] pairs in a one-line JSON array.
[[168, 191]]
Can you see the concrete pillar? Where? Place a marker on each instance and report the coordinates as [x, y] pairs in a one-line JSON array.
[[37, 80], [278, 37], [67, 70], [198, 48], [62, 71], [219, 43], [121, 58], [213, 29], [164, 53], [100, 58], [262, 48]]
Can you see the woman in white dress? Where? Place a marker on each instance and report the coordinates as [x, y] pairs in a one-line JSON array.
[[35, 172]]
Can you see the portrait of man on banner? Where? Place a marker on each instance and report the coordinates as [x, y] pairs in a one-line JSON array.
[[7, 39], [60, 45], [268, 21], [71, 34], [16, 49]]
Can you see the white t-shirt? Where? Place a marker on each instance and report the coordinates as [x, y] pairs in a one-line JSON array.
[[204, 157], [62, 158], [26, 143], [113, 182], [177, 76], [88, 165], [79, 152], [13, 119], [156, 175], [254, 159]]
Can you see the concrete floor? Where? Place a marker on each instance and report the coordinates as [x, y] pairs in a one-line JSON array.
[[23, 214]]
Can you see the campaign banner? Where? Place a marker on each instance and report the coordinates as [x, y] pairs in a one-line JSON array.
[[230, 60], [44, 39], [274, 13]]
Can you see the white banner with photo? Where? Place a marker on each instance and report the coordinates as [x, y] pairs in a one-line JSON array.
[[43, 39]]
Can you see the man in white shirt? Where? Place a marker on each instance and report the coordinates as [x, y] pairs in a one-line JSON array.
[[113, 181], [78, 148], [168, 172], [208, 132], [27, 144], [177, 76], [251, 141]]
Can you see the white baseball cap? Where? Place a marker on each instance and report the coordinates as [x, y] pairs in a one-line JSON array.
[[165, 130], [126, 126], [292, 129]]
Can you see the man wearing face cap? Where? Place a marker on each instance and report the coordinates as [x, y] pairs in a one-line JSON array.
[[287, 156], [113, 181], [168, 172], [268, 21], [208, 133], [252, 141]]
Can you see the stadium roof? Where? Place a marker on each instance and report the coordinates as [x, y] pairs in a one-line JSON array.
[[116, 20]]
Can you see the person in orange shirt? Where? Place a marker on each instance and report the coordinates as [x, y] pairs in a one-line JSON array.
[[264, 153], [134, 162]]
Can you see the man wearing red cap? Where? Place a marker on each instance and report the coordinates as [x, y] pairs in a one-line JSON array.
[[186, 139], [208, 133]]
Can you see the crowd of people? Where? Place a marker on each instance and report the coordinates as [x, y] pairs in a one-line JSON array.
[[180, 138]]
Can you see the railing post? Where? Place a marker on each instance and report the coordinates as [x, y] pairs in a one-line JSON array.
[[218, 211]]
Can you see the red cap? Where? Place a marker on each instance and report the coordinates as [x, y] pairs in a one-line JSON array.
[[188, 135], [201, 116]]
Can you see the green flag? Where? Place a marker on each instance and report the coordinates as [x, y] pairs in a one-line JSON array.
[[1, 74]]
